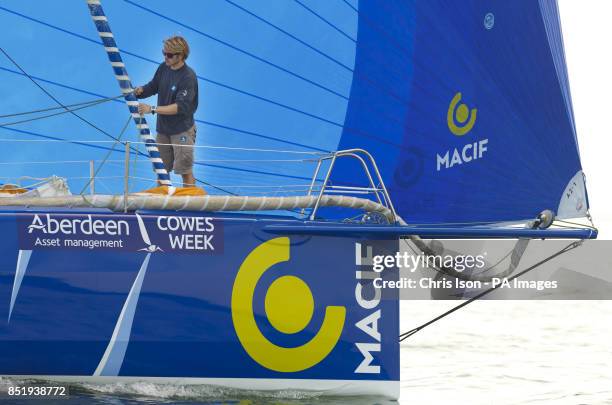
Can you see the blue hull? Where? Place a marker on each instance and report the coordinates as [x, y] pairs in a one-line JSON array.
[[209, 298]]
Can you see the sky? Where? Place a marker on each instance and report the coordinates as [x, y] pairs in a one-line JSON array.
[[586, 34]]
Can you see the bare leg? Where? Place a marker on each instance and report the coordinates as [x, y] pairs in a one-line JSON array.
[[188, 179]]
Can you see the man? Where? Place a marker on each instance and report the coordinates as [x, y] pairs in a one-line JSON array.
[[176, 85]]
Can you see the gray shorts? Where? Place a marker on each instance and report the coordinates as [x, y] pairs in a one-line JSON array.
[[177, 154]]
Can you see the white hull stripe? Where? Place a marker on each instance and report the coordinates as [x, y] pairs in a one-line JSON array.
[[22, 264], [111, 361]]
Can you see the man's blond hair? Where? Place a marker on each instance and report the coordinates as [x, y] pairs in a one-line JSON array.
[[177, 44]]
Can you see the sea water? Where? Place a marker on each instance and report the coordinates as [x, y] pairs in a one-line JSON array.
[[508, 352], [500, 352]]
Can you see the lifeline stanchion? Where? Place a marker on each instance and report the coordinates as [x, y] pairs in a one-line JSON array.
[[92, 175], [126, 178]]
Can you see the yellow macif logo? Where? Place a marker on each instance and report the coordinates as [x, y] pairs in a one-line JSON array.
[[289, 306], [459, 118]]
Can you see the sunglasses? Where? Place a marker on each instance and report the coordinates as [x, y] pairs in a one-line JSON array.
[[170, 55]]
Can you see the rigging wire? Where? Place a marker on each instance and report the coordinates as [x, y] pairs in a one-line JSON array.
[[68, 110], [566, 249], [276, 27], [92, 144], [209, 123], [91, 124], [92, 102], [354, 131], [111, 150], [357, 75], [350, 5], [588, 212], [78, 116], [578, 225], [238, 49], [326, 21]]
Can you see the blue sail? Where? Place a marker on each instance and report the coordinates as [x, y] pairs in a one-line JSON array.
[[274, 84], [465, 106], [476, 123]]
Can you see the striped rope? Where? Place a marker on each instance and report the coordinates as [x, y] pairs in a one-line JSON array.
[[112, 50]]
